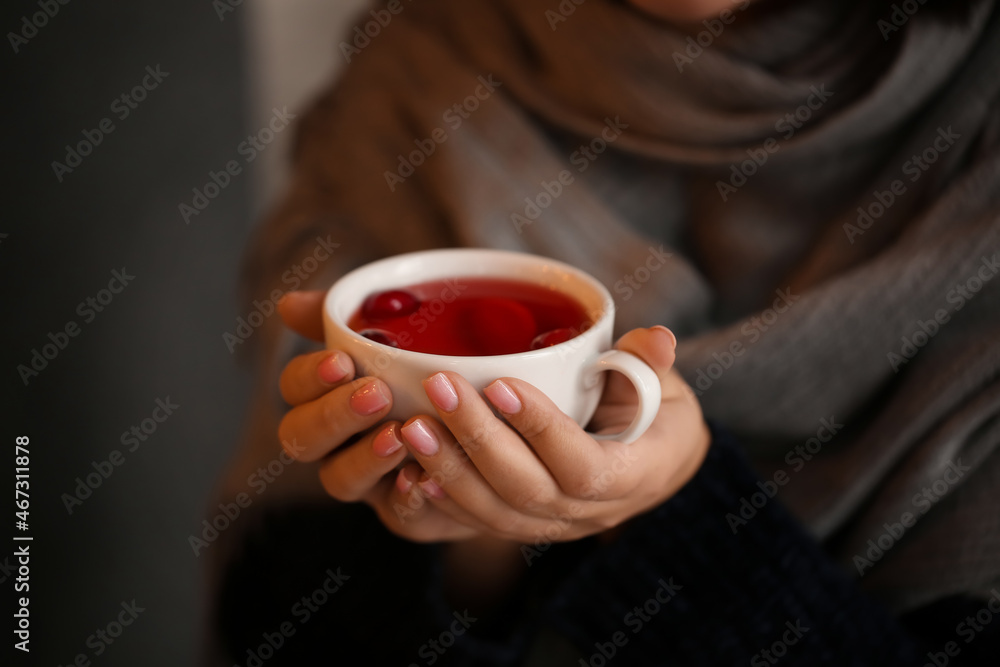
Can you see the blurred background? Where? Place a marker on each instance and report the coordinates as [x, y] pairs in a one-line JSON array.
[[115, 305]]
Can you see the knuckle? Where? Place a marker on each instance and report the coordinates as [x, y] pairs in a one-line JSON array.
[[585, 480], [334, 413], [532, 427], [476, 437], [535, 499], [543, 425]]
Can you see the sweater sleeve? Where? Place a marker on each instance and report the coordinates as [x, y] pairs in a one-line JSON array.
[[696, 582]]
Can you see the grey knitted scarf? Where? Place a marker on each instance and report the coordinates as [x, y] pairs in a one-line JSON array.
[[808, 193]]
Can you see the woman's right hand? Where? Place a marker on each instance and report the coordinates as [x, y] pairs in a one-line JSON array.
[[337, 420]]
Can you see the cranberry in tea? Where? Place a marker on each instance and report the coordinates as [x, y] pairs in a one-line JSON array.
[[470, 317]]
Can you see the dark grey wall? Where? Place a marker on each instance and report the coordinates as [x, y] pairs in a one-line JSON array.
[[160, 337]]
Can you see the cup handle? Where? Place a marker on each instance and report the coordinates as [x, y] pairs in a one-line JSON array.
[[646, 383]]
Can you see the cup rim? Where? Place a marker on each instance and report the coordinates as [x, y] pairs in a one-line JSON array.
[[332, 315]]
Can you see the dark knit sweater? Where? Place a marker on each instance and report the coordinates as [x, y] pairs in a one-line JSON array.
[[315, 586]]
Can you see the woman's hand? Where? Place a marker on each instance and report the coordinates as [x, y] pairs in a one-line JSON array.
[[535, 474], [336, 419], [532, 475]]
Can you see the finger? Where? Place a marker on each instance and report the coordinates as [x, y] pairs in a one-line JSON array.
[[309, 376], [558, 524], [404, 509], [581, 466], [352, 473], [656, 346], [312, 430], [447, 464], [437, 496], [499, 454], [302, 312]]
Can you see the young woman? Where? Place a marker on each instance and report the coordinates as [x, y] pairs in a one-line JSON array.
[[804, 192]]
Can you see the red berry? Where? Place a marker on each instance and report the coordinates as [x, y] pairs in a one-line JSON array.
[[389, 304], [379, 336], [550, 338], [499, 326]]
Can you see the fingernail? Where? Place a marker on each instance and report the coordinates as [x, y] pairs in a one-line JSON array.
[[403, 483], [431, 488], [331, 369], [369, 399], [441, 392], [420, 438], [660, 327], [387, 442], [503, 397]]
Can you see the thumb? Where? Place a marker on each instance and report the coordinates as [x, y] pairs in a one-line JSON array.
[[302, 312], [656, 346]]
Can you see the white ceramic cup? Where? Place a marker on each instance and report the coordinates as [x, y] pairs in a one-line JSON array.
[[570, 373]]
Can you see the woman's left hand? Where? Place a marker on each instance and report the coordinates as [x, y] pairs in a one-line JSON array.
[[538, 476]]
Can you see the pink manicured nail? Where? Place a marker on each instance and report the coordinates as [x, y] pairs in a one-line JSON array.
[[369, 399], [331, 370], [403, 483], [387, 442], [503, 397], [441, 392], [420, 438], [431, 488]]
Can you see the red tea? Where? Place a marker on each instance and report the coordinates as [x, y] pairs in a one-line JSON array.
[[470, 317]]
